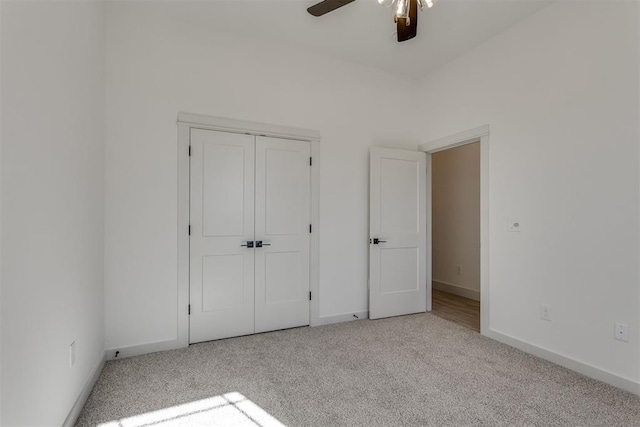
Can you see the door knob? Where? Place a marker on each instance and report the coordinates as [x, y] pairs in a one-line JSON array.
[[377, 241], [259, 244], [249, 244]]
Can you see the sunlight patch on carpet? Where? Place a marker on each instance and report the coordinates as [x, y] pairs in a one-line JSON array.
[[230, 409]]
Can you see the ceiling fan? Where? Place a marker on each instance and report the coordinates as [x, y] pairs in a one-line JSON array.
[[405, 13]]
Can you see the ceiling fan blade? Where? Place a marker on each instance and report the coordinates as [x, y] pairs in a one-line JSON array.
[[327, 6], [407, 32]]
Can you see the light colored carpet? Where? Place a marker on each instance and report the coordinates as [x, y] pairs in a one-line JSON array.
[[410, 370]]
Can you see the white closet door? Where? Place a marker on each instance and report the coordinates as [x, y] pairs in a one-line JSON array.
[[397, 254], [222, 219], [283, 177]]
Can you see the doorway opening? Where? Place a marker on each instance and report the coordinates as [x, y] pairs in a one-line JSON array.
[[455, 201], [479, 135]]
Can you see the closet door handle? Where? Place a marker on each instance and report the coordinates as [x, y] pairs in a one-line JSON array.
[[249, 244], [259, 244]]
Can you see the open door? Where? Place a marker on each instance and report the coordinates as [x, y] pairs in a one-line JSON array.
[[398, 233]]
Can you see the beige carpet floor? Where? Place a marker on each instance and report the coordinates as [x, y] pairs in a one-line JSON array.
[[410, 370]]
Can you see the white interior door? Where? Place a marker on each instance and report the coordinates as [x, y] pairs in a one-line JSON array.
[[283, 212], [398, 224], [222, 219]]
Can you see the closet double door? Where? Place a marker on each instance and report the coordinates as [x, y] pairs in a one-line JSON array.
[[249, 234]]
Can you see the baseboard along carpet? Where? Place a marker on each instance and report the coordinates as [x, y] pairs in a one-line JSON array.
[[409, 370]]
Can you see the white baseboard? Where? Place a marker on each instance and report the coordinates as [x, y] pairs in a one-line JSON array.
[[140, 349], [153, 347], [456, 290], [569, 363], [84, 394], [346, 317]]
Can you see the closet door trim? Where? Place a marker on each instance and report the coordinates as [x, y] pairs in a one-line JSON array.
[[241, 126]]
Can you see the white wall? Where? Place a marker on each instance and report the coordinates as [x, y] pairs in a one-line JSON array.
[[157, 68], [52, 105], [455, 183], [560, 93]]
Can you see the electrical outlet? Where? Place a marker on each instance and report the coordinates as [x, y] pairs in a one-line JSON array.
[[545, 312], [621, 332], [72, 354], [458, 269]]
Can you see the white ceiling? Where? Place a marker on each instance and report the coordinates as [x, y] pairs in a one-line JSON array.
[[363, 31]]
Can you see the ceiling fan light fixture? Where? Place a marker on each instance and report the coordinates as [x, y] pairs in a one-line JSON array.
[[402, 8]]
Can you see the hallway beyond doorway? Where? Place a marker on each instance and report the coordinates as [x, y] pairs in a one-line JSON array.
[[457, 309]]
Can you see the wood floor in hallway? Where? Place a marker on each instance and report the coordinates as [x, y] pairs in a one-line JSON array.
[[463, 311]]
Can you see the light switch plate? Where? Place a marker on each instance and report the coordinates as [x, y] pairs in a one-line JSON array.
[[621, 332]]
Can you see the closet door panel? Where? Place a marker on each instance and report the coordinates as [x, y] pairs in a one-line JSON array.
[[282, 223], [222, 220]]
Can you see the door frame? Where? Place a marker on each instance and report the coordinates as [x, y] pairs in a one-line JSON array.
[[479, 134], [188, 121]]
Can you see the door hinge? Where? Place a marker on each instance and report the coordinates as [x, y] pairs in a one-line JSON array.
[[310, 228], [189, 229], [189, 151], [310, 161], [309, 295], [189, 309]]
